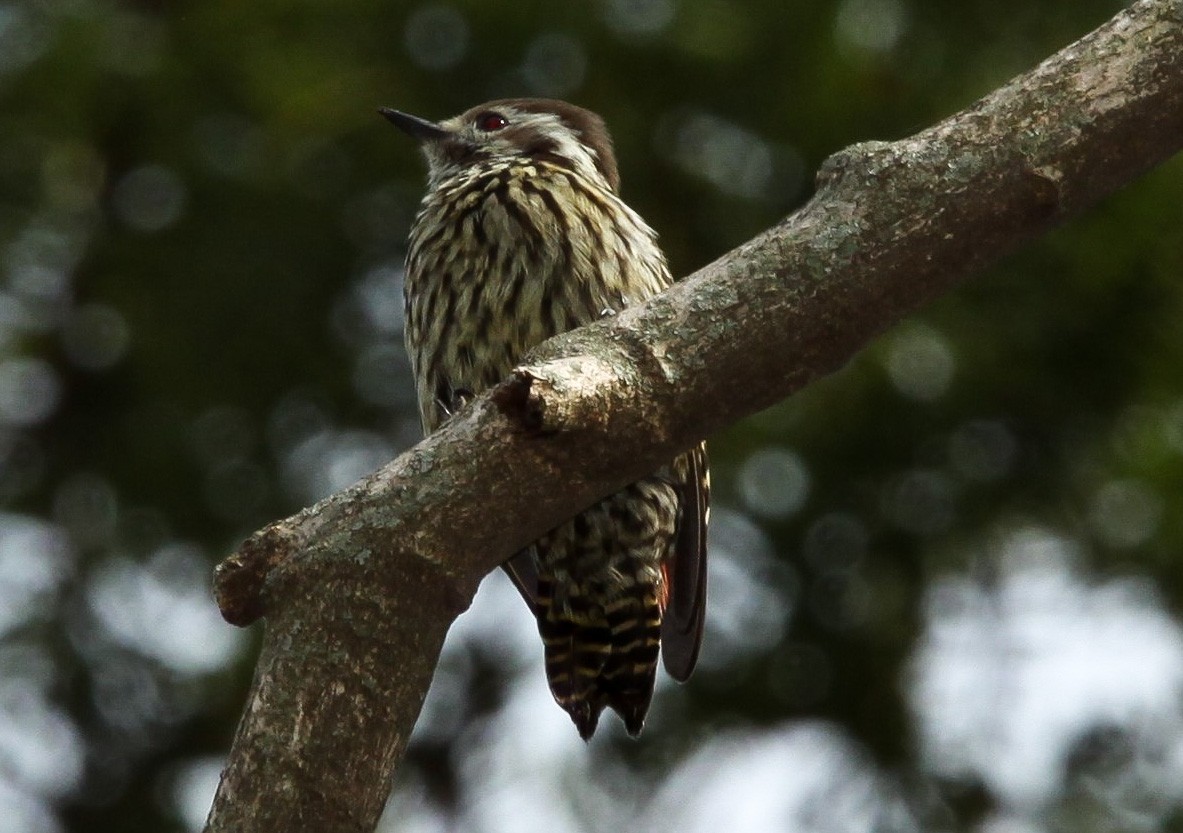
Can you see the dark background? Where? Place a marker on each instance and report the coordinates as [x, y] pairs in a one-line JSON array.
[[946, 582]]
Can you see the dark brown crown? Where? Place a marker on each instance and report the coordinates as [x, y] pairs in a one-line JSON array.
[[585, 124]]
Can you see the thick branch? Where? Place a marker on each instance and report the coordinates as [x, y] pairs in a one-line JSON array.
[[360, 589]]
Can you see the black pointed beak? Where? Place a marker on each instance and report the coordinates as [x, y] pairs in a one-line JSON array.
[[419, 129]]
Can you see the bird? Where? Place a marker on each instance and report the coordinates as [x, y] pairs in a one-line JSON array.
[[522, 235]]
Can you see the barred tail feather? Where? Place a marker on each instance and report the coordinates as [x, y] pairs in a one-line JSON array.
[[597, 658], [628, 675], [575, 649]]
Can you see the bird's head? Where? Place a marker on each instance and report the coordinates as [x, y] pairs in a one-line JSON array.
[[542, 130]]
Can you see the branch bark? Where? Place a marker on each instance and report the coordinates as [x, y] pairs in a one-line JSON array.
[[360, 589]]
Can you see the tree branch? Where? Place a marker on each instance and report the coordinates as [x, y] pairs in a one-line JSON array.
[[360, 589]]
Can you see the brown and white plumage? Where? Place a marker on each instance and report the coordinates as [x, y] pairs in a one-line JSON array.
[[522, 236]]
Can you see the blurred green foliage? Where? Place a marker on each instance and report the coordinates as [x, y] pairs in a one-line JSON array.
[[202, 222]]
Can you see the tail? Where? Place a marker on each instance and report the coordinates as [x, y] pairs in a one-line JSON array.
[[601, 656]]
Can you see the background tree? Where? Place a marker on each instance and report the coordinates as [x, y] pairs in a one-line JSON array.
[[183, 190]]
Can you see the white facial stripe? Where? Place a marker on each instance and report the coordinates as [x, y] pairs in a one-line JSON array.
[[567, 143]]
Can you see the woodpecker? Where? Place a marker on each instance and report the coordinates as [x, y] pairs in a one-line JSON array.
[[522, 235]]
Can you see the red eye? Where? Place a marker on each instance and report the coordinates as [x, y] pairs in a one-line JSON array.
[[489, 122]]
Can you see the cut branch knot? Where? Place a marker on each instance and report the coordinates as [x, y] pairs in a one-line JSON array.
[[565, 395], [240, 579]]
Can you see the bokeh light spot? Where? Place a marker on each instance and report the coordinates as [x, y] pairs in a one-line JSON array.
[[39, 744], [807, 777], [382, 376], [24, 812], [774, 482], [191, 790], [29, 391], [637, 17], [920, 362], [296, 417], [95, 337], [34, 561], [1125, 513], [149, 198], [732, 158], [329, 461], [753, 595], [436, 37], [24, 35], [15, 319], [1014, 671], [163, 609], [873, 25]]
